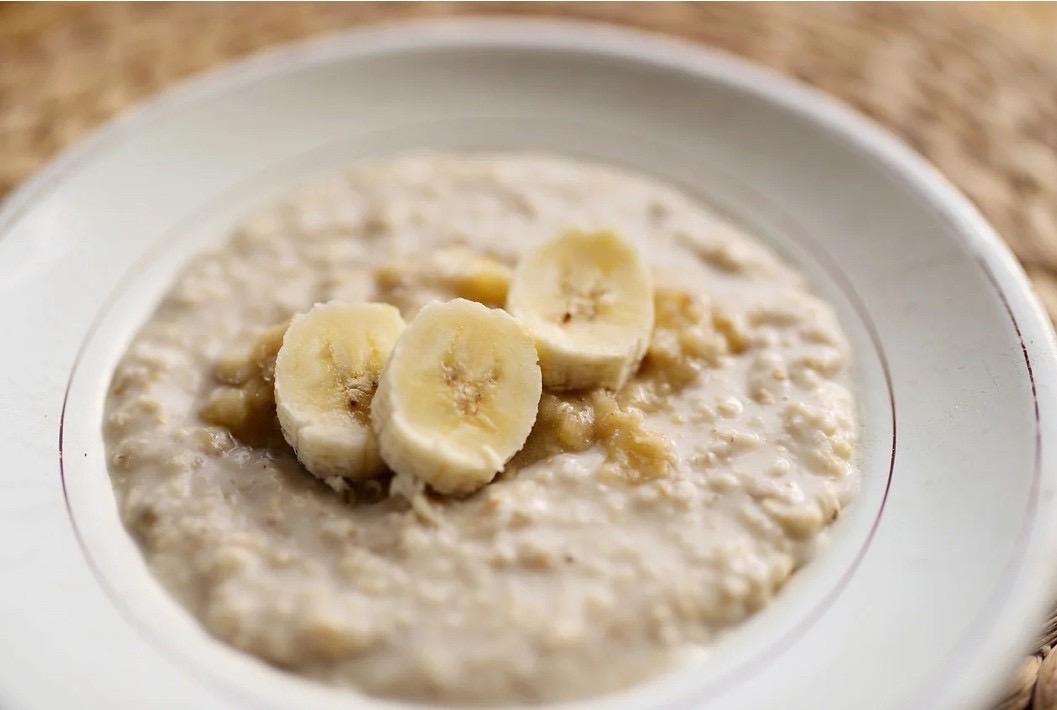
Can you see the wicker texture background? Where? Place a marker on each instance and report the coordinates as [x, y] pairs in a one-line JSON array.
[[973, 87]]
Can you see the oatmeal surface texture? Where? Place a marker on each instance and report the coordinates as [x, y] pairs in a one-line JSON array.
[[633, 528]]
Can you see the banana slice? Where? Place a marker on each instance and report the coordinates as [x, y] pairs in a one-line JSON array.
[[587, 300], [458, 397], [326, 374]]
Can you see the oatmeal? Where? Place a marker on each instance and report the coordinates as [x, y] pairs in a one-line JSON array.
[[634, 525]]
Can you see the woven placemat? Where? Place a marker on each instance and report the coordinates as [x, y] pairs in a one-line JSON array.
[[973, 88]]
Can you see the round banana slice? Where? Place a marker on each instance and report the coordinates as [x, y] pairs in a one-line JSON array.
[[326, 374], [587, 300], [458, 397]]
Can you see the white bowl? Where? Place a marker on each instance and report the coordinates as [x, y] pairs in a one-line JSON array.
[[939, 573]]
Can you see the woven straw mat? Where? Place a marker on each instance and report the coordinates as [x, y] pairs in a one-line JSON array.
[[974, 88]]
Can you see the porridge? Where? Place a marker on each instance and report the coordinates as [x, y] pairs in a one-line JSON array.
[[637, 522]]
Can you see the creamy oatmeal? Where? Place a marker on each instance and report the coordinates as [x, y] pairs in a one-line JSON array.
[[632, 527]]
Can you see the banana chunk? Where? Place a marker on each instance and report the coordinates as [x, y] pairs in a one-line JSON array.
[[244, 403], [474, 276], [326, 374], [455, 271], [587, 300], [458, 397]]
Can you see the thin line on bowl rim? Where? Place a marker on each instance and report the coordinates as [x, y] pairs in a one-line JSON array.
[[886, 162], [924, 694]]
